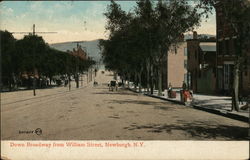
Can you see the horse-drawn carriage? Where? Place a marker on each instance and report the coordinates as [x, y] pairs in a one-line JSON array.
[[113, 85]]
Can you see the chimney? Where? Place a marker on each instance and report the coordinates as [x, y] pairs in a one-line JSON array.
[[195, 35]]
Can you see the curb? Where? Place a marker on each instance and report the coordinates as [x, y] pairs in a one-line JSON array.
[[218, 112], [171, 100], [225, 114]]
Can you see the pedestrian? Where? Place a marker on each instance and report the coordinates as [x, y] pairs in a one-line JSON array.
[[169, 90], [183, 91], [184, 86]]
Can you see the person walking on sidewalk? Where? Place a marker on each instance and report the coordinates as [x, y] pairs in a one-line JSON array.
[[184, 86], [186, 94], [169, 90]]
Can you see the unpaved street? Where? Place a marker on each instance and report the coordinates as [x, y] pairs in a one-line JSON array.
[[95, 113]]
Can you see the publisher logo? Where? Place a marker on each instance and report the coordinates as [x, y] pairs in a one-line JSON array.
[[38, 131]]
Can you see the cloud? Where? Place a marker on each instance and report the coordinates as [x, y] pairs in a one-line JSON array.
[[21, 16], [9, 10], [6, 11]]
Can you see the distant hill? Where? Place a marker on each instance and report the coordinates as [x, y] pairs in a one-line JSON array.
[[91, 46], [200, 36], [93, 49]]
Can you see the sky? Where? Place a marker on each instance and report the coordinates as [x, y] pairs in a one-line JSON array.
[[72, 20]]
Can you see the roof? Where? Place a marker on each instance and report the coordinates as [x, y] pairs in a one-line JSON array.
[[208, 48], [79, 53]]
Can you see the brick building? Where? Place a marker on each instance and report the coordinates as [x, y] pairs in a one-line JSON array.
[[201, 64], [79, 52], [226, 56]]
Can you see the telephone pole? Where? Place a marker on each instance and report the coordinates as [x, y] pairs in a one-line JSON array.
[[77, 64]]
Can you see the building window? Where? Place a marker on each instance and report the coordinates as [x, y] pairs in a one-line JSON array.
[[185, 64], [185, 51]]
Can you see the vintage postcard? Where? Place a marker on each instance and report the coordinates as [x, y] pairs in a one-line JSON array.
[[141, 79]]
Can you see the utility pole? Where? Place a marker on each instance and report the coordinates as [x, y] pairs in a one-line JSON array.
[[68, 74], [33, 34], [77, 64], [87, 69]]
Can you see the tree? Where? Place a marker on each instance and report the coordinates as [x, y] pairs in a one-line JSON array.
[[116, 50], [125, 51], [174, 18], [146, 17], [9, 59], [31, 55], [31, 48], [140, 41]]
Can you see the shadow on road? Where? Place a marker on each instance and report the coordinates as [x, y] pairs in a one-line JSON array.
[[197, 129], [116, 93], [164, 108], [136, 102], [157, 105]]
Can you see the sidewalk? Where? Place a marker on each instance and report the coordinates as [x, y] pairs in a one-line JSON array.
[[220, 105]]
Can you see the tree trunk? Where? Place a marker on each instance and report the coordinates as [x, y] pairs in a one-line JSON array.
[[151, 80], [50, 79], [34, 86], [128, 80], [166, 75], [40, 82], [148, 75], [160, 81], [14, 81], [135, 81], [69, 82], [77, 80], [139, 77], [235, 95], [9, 82]]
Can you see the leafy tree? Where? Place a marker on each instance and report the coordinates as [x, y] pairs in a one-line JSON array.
[[174, 18], [146, 18], [33, 56], [31, 48], [140, 41], [9, 59], [114, 51]]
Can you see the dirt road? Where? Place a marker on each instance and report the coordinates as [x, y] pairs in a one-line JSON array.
[[95, 113]]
